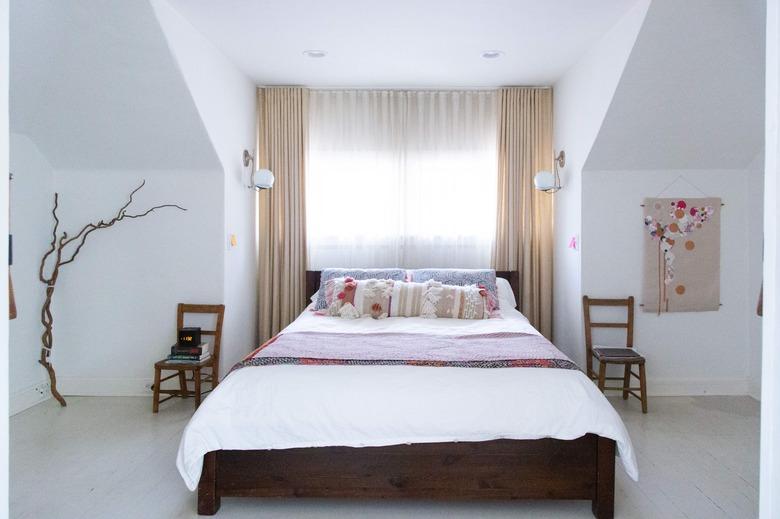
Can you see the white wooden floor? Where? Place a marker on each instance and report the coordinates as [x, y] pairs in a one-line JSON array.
[[110, 457]]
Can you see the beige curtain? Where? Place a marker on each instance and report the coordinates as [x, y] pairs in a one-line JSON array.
[[282, 122], [525, 216]]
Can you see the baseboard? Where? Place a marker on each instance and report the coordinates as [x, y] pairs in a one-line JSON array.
[[28, 397], [84, 386], [698, 387], [87, 386], [754, 390]]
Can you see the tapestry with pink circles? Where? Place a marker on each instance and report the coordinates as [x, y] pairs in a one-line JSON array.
[[681, 255]]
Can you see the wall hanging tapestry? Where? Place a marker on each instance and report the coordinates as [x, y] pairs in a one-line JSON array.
[[681, 255]]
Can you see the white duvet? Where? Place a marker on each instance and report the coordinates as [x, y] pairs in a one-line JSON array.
[[289, 406]]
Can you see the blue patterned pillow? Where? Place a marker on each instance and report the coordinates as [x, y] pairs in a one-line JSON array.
[[357, 274], [460, 277]]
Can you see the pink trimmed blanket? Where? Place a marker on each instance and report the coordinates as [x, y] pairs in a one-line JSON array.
[[492, 350]]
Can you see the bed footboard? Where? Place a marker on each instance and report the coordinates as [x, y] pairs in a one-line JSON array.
[[501, 469]]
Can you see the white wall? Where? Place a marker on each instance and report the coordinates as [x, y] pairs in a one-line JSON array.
[[226, 102], [690, 352], [666, 118], [115, 306], [755, 265], [32, 197], [769, 507], [581, 99], [3, 252], [632, 115]]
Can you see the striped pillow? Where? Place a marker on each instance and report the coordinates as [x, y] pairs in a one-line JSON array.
[[406, 299]]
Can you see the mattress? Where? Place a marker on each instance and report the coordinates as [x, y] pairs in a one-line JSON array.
[[294, 405]]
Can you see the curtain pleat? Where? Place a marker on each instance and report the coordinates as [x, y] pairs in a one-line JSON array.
[[282, 133], [524, 223]]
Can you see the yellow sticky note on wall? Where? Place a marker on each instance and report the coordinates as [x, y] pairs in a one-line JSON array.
[[233, 240]]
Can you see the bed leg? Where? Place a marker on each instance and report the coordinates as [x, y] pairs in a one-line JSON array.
[[208, 498], [603, 504]]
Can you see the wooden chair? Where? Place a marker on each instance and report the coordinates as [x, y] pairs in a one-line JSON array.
[[625, 356], [212, 363]]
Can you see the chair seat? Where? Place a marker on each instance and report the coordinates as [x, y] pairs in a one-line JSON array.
[[617, 355], [183, 366]]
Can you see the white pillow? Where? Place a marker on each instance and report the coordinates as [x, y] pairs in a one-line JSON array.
[[505, 294]]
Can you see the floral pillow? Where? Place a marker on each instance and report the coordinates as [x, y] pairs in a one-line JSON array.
[[484, 278], [357, 274], [350, 298]]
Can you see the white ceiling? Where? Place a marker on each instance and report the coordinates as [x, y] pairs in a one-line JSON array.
[[403, 43]]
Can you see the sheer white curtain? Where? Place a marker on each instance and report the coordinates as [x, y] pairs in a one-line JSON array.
[[401, 178]]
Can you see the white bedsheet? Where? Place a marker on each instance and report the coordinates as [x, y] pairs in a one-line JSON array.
[[289, 406]]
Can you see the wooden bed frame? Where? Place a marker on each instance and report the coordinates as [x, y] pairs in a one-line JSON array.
[[583, 468]]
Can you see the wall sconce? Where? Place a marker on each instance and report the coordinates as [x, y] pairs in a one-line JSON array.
[[550, 182], [260, 179]]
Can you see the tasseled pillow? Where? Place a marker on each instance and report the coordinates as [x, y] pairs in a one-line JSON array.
[[457, 302], [350, 298]]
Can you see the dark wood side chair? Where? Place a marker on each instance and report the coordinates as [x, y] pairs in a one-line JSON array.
[[625, 356], [180, 370]]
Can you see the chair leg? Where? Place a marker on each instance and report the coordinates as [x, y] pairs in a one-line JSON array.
[[602, 375], [197, 387], [156, 396], [626, 380], [643, 387], [183, 384]]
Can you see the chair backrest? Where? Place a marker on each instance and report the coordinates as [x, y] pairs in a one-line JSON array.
[[219, 311], [627, 303]]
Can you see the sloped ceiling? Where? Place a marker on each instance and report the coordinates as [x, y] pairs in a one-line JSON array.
[[692, 93], [94, 85]]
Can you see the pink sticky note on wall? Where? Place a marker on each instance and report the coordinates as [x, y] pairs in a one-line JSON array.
[[573, 243]]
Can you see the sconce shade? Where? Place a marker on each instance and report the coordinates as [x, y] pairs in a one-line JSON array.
[[263, 179], [260, 179], [550, 182], [544, 181]]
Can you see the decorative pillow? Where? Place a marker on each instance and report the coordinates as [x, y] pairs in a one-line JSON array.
[[350, 298], [485, 278], [358, 274], [469, 302], [407, 298]]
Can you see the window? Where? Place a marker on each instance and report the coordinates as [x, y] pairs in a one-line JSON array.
[[401, 178]]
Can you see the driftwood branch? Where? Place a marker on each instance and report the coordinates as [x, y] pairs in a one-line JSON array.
[[53, 246], [61, 258]]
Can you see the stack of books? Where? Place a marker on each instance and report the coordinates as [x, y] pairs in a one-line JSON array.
[[189, 354]]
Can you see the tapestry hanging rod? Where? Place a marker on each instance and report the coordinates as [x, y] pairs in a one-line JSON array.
[[684, 179]]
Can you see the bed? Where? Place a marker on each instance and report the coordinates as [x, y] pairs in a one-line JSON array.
[[363, 430]]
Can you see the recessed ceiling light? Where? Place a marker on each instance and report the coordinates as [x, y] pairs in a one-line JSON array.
[[314, 53], [492, 54]]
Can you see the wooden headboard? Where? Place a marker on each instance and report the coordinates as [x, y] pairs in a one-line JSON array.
[[513, 276]]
